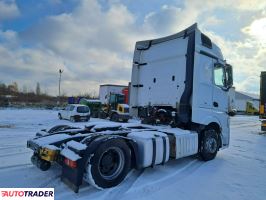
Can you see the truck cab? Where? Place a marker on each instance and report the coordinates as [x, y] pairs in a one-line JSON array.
[[186, 77]]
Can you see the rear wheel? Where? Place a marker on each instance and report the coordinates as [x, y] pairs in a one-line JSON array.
[[114, 117], [60, 116], [209, 144], [109, 165]]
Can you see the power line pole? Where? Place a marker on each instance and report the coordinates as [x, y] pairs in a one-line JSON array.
[[59, 88]]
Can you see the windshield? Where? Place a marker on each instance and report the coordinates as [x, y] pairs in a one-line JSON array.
[[83, 109]]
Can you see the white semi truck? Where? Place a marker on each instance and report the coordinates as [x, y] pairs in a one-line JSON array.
[[182, 80]]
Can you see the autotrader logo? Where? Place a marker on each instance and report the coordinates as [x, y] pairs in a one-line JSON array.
[[27, 193]]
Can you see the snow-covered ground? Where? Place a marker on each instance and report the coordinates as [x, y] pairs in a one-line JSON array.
[[238, 172]]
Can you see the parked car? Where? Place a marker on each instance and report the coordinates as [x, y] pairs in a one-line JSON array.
[[75, 112]]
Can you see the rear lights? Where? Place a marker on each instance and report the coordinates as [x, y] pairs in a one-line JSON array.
[[70, 163]]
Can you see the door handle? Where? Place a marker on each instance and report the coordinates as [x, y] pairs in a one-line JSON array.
[[215, 104]]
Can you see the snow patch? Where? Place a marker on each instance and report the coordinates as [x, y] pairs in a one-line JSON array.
[[50, 139], [76, 145], [69, 154], [52, 147]]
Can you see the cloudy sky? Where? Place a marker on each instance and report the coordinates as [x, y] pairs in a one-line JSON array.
[[93, 41]]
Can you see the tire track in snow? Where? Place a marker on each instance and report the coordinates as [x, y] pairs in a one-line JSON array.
[[118, 191], [49, 181], [15, 166], [4, 147], [14, 154], [245, 126], [170, 179]]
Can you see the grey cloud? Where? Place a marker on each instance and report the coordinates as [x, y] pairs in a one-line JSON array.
[[8, 10], [95, 45]]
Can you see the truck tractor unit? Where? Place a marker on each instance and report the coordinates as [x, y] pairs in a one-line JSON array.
[[262, 109], [181, 80]]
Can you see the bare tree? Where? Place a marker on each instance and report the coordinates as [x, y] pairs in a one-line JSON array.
[[3, 89], [15, 87], [12, 88], [24, 89]]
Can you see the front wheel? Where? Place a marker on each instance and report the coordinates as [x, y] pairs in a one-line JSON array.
[[209, 144], [109, 165], [114, 117]]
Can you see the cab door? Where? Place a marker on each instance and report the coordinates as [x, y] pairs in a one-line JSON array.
[[221, 102], [220, 93]]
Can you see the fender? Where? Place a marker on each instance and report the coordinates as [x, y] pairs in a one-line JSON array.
[[74, 177], [132, 144], [212, 119]]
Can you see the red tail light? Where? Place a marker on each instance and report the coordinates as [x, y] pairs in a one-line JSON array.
[[70, 163]]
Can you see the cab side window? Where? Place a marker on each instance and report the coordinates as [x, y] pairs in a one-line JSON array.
[[219, 76]]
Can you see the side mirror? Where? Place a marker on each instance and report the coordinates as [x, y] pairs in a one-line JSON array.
[[229, 75]]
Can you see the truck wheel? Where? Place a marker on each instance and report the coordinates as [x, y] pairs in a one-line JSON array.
[[114, 117], [60, 116], [125, 120], [109, 165], [209, 144]]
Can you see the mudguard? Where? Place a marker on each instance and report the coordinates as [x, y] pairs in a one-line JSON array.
[[74, 177]]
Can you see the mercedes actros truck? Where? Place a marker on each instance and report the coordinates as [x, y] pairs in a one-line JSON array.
[[179, 87]]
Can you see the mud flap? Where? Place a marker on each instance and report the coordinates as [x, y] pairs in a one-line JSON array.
[[73, 177]]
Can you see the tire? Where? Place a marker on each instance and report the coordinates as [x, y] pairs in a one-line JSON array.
[[125, 120], [72, 119], [60, 116], [109, 165], [114, 117], [209, 144], [102, 115]]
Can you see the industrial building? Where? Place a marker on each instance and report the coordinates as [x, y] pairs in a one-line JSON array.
[[243, 98]]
